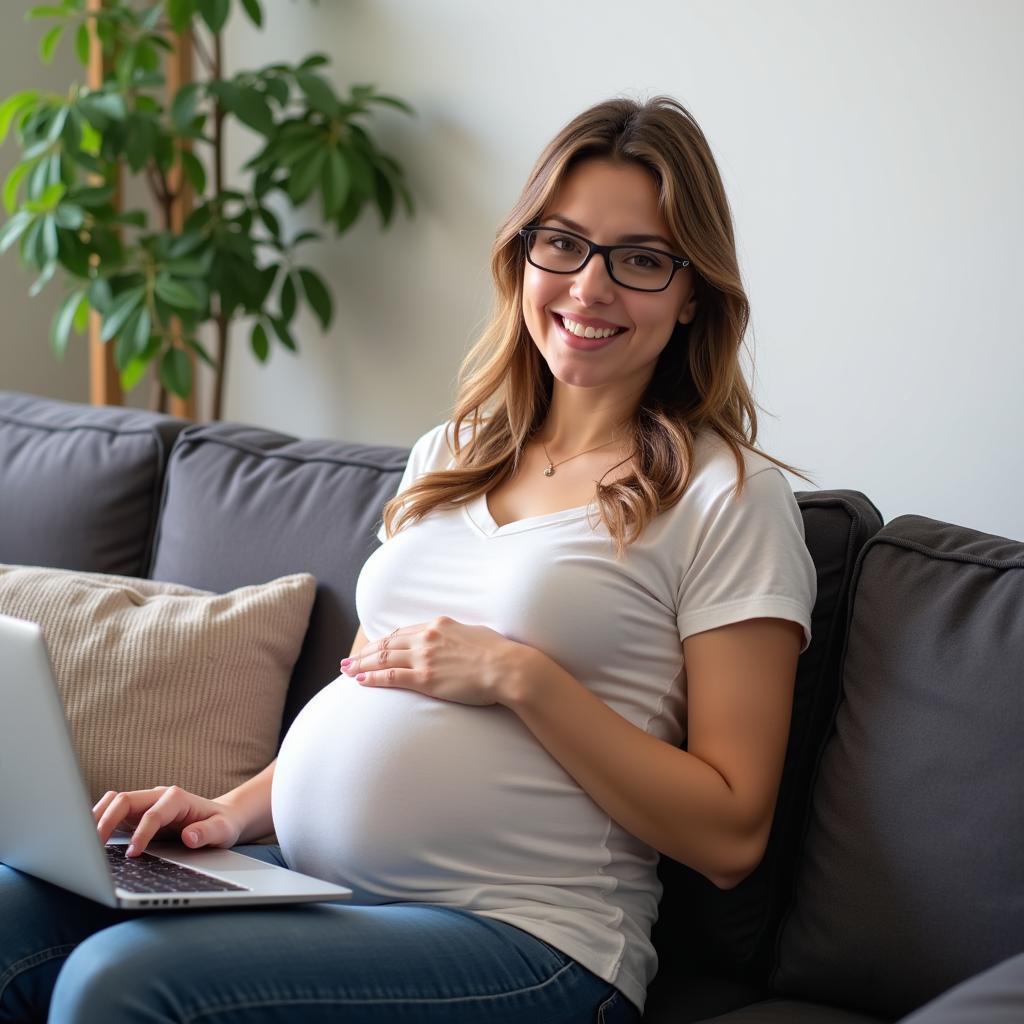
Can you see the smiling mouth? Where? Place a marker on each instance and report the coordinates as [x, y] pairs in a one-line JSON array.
[[583, 343], [581, 330]]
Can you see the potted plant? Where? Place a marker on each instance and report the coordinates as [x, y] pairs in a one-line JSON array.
[[154, 283]]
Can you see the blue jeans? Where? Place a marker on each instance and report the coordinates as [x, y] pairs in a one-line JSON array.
[[83, 963]]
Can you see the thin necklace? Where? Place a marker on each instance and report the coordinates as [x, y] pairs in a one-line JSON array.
[[550, 471]]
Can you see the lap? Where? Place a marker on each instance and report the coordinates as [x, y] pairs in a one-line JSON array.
[[314, 962]]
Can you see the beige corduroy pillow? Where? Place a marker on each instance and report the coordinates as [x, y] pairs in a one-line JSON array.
[[163, 684]]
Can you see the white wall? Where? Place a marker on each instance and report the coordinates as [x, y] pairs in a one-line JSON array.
[[872, 153]]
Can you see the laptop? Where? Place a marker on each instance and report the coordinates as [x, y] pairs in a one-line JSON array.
[[46, 823]]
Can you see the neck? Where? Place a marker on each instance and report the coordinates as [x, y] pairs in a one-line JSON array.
[[578, 420]]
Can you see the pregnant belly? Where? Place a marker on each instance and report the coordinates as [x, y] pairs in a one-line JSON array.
[[402, 796]]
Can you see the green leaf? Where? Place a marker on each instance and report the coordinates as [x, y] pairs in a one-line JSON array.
[[180, 294], [288, 299], [278, 89], [11, 106], [260, 343], [121, 308], [41, 280], [317, 294], [124, 347], [183, 106], [250, 107], [393, 101], [133, 373], [46, 11], [194, 171], [28, 246], [362, 173], [63, 319], [49, 237], [252, 8], [319, 93], [185, 243], [82, 44], [69, 216], [385, 197], [201, 352], [273, 225], [281, 330], [51, 195], [12, 183], [98, 294], [336, 181], [49, 42], [315, 60], [301, 183], [81, 320], [180, 13], [176, 372], [90, 197], [215, 14]]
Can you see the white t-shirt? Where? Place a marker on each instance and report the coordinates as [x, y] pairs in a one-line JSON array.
[[405, 797]]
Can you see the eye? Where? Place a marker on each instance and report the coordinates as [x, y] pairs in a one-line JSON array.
[[563, 243], [640, 259]]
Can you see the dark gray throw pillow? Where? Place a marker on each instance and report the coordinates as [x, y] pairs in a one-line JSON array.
[[910, 879]]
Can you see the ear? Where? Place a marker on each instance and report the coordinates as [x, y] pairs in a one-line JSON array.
[[689, 310]]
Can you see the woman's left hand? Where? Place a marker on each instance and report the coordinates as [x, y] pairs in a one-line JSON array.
[[442, 658]]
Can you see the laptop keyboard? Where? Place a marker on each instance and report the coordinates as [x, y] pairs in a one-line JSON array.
[[147, 873]]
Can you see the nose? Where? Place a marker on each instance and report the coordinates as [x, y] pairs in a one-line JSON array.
[[592, 283]]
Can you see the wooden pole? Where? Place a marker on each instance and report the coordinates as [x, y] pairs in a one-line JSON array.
[[179, 71], [104, 380]]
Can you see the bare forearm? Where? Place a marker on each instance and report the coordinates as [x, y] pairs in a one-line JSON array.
[[251, 802], [666, 797]]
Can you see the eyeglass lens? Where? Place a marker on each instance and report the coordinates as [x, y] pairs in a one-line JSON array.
[[556, 251]]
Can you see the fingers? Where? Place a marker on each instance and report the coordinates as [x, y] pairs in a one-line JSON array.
[[117, 809], [381, 653], [171, 806]]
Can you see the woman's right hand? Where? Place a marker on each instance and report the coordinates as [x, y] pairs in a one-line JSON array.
[[166, 812]]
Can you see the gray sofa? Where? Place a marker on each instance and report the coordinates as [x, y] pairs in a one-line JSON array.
[[893, 883]]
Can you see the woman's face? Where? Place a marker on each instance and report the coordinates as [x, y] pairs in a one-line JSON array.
[[604, 201]]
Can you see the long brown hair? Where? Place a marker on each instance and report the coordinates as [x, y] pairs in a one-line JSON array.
[[504, 386]]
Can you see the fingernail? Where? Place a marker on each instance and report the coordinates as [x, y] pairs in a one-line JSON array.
[[193, 837], [130, 852], [346, 662], [360, 677]]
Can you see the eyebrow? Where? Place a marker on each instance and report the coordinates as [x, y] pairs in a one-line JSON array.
[[628, 239]]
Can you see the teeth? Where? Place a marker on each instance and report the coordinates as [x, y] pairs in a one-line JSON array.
[[588, 332]]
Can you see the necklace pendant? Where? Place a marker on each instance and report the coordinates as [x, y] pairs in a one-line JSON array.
[[550, 471]]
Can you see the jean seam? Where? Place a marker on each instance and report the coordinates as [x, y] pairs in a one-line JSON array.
[[252, 1005], [28, 962], [604, 1006]]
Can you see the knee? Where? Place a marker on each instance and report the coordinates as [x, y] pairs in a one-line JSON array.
[[115, 976]]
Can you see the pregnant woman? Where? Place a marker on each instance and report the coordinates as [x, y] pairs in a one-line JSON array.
[[589, 562]]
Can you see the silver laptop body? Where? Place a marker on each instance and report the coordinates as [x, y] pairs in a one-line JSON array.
[[46, 823]]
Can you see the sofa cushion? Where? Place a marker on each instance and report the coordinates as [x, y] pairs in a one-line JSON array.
[[164, 684], [732, 932], [910, 878], [995, 996], [87, 482], [287, 506], [790, 1011]]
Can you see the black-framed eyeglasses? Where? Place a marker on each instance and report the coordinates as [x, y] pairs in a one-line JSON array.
[[633, 266]]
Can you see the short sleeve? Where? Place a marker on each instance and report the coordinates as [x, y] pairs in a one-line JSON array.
[[751, 561], [429, 453]]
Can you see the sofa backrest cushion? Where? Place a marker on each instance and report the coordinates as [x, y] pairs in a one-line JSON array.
[[731, 933], [81, 485], [243, 505], [910, 876]]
